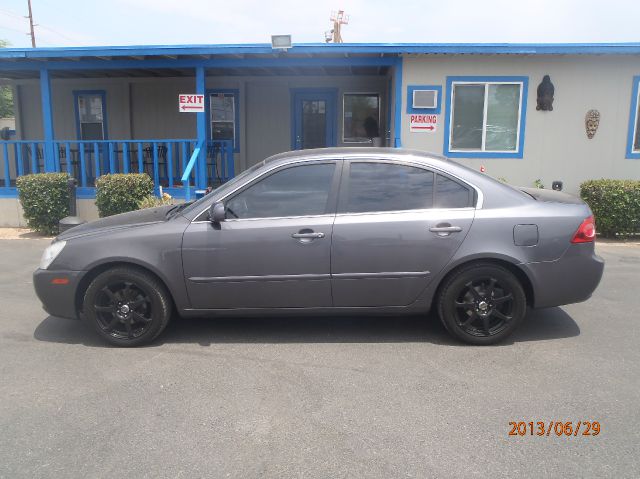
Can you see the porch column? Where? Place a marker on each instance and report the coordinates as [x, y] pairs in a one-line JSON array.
[[201, 132], [397, 117], [47, 121]]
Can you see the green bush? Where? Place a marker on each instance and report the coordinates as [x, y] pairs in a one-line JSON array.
[[45, 200], [615, 205], [119, 193], [154, 201]]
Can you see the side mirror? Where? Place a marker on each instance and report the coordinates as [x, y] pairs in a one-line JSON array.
[[216, 212]]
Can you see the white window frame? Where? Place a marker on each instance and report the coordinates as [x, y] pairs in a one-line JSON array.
[[232, 95], [486, 85], [344, 95]]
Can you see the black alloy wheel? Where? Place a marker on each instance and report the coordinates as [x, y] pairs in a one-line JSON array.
[[127, 306], [482, 303]]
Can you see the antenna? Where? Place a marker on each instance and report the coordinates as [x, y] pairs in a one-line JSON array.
[[335, 35]]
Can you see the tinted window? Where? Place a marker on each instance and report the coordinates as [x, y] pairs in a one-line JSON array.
[[296, 191], [386, 187], [450, 194]]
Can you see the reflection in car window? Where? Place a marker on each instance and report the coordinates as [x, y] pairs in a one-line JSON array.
[[451, 194], [386, 187], [296, 191]]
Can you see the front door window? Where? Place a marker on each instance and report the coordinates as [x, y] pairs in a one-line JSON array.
[[314, 124], [314, 119]]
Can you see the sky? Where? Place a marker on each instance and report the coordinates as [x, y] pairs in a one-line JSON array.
[[171, 22]]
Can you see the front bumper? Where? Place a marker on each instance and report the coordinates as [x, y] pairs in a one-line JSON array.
[[58, 297], [570, 279]]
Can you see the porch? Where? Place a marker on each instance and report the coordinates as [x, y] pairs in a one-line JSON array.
[[93, 111], [172, 164]]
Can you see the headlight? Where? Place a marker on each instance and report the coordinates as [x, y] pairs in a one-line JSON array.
[[52, 251]]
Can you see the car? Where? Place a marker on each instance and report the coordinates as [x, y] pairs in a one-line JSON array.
[[330, 231]]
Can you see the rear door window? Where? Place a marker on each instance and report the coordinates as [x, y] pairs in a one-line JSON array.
[[451, 194], [387, 187]]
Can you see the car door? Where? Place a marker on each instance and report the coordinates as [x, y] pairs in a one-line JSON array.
[[273, 249], [397, 226]]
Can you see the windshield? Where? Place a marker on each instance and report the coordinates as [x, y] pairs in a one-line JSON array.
[[220, 190]]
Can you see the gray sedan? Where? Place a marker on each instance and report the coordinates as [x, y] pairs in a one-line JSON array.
[[332, 231]]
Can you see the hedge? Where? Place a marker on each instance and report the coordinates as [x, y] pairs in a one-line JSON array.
[[155, 201], [119, 193], [615, 205], [45, 200]]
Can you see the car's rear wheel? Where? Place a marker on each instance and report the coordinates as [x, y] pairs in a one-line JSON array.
[[126, 306], [482, 303]]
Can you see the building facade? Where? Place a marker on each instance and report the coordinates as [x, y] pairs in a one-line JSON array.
[[94, 110]]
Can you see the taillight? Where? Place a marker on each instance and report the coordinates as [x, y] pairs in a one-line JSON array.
[[586, 232]]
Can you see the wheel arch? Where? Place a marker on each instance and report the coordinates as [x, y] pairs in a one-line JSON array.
[[506, 262], [100, 268]]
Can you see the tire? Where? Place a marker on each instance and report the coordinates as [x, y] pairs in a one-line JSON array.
[[127, 306], [482, 304]]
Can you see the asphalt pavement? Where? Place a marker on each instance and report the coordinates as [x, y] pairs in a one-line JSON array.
[[321, 397]]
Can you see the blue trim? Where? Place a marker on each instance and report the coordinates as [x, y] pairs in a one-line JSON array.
[[201, 124], [8, 192], [103, 95], [632, 48], [397, 119], [193, 63], [330, 95], [236, 106], [485, 154], [631, 155], [47, 121], [426, 111]]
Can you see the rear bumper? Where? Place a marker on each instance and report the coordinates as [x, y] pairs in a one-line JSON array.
[[58, 299], [570, 279]]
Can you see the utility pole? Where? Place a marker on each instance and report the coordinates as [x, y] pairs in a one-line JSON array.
[[31, 25]]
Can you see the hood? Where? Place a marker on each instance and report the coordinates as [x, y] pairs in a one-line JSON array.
[[124, 220]]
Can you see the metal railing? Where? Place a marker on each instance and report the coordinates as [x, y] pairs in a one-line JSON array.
[[163, 160]]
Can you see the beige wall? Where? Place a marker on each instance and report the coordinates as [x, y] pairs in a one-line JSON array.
[[146, 108], [556, 146]]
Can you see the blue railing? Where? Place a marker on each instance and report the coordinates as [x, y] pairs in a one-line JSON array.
[[163, 160]]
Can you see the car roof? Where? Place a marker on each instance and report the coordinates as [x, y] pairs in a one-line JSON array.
[[353, 152]]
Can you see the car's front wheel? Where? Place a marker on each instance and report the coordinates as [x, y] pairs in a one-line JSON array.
[[482, 303], [127, 306]]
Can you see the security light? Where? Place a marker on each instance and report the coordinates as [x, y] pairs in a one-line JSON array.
[[280, 42]]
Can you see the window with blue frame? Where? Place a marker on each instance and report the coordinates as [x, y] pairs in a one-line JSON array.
[[485, 116], [223, 116], [90, 115], [633, 141]]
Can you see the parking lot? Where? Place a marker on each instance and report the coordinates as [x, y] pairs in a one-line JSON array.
[[327, 397]]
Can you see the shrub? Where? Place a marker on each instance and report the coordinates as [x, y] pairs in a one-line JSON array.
[[45, 200], [615, 205], [119, 193], [154, 201]]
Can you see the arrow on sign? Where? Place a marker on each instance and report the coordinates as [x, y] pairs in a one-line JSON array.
[[430, 127], [185, 107]]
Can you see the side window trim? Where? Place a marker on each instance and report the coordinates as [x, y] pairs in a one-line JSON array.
[[330, 207]]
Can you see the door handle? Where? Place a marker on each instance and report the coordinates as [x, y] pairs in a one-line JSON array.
[[445, 230], [307, 235]]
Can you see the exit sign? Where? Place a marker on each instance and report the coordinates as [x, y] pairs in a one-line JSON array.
[[189, 103]]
